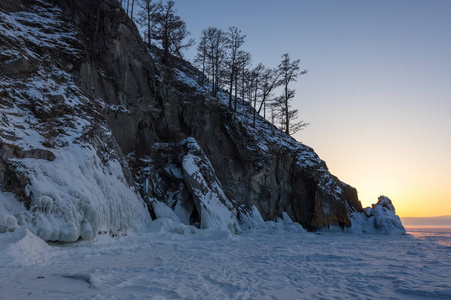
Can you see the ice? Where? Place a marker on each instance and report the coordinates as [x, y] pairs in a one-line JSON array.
[[381, 218], [215, 209], [8, 207], [167, 225], [77, 196], [167, 261], [161, 210], [252, 219]]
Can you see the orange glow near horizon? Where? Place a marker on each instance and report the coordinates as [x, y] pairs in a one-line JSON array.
[[408, 166], [416, 179]]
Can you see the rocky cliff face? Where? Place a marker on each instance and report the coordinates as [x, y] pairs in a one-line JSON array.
[[79, 86]]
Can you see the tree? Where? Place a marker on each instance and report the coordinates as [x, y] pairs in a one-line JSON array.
[[202, 54], [211, 54], [245, 60], [255, 86], [234, 42], [145, 18], [131, 13], [269, 82], [170, 30], [289, 71]]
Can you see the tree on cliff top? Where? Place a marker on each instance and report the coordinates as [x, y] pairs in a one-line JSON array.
[[289, 71], [145, 18], [211, 56], [234, 42], [170, 30]]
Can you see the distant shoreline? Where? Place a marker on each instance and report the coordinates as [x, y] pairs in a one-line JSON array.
[[427, 221]]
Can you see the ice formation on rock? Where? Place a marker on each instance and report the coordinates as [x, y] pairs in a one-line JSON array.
[[380, 218]]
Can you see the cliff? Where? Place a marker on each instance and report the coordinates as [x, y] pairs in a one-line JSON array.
[[95, 131]]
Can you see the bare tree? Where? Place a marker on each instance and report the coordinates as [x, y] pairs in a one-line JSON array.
[[131, 13], [289, 71], [202, 54], [269, 82], [256, 81], [145, 18], [234, 42], [170, 30], [244, 63], [211, 53]]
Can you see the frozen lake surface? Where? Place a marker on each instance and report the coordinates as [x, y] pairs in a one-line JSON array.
[[259, 264], [435, 234]]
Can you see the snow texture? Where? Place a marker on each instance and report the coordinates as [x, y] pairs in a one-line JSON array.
[[8, 207], [22, 248], [272, 263], [77, 196], [381, 218]]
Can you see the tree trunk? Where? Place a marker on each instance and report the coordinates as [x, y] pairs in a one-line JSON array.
[[231, 89], [287, 121], [148, 23]]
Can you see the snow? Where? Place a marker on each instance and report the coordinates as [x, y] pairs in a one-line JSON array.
[[74, 182], [40, 26], [381, 219], [8, 207], [165, 262], [76, 195], [22, 248], [215, 208]]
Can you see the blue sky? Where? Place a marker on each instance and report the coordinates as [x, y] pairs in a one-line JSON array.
[[377, 93]]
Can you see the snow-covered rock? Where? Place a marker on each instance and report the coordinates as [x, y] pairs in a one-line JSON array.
[[79, 94], [57, 153], [380, 218], [215, 209], [182, 179]]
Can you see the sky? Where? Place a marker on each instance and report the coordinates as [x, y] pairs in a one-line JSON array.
[[378, 90]]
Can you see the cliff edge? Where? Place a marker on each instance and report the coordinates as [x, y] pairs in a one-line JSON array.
[[94, 130]]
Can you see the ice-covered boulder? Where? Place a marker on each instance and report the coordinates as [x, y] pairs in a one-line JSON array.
[[181, 178], [215, 209], [380, 218]]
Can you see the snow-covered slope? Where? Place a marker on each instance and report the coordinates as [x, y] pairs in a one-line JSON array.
[[56, 151]]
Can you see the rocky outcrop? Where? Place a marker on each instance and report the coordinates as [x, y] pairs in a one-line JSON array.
[[379, 218], [57, 153], [101, 89], [180, 175]]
